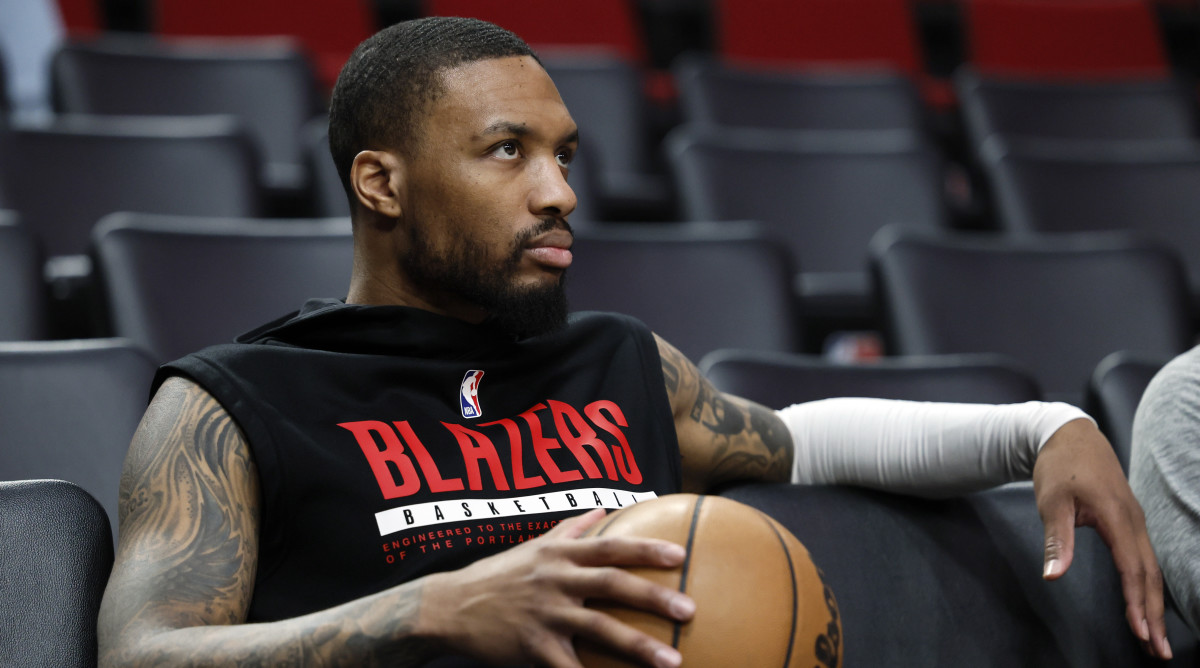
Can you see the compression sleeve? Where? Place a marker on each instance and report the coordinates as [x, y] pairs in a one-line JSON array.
[[920, 448]]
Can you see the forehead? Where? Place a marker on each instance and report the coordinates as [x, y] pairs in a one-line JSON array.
[[515, 90]]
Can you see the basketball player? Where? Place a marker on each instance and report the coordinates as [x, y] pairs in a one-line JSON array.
[[405, 474]]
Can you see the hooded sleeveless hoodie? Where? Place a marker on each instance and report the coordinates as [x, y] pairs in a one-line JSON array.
[[392, 442]]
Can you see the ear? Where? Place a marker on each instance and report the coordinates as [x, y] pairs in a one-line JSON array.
[[377, 178]]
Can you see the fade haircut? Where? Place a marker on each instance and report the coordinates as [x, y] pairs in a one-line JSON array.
[[393, 76]]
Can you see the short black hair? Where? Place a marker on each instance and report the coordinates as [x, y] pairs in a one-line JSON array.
[[392, 77]]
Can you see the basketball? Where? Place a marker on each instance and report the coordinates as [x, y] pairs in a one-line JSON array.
[[760, 600]]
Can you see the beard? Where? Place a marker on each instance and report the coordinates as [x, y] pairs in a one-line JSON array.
[[469, 272]]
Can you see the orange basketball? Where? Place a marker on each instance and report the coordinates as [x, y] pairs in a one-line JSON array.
[[760, 600]]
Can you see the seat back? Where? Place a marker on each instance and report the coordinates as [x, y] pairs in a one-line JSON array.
[[197, 166], [777, 380], [69, 410], [268, 85], [716, 93], [1056, 304], [1079, 109], [1098, 39], [691, 283], [177, 284], [23, 298], [824, 193], [1152, 188], [1114, 391], [53, 569], [957, 582]]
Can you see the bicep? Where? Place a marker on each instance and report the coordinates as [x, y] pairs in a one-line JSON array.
[[721, 437], [189, 502]]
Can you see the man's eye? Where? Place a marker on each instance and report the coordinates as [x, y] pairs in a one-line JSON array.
[[563, 158], [507, 151]]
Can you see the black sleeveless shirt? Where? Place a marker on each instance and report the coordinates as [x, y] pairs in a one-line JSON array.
[[392, 442]]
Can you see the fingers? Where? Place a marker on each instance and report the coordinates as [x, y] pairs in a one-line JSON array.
[[1059, 522], [1141, 579], [608, 632], [575, 527]]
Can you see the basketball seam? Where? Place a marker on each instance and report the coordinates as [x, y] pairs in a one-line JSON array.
[[795, 593], [687, 562]]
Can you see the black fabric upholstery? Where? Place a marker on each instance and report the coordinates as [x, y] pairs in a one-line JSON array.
[[177, 284], [1057, 304], [196, 166], [823, 193], [267, 84], [1113, 394], [329, 197], [1152, 188], [777, 380], [1133, 109], [701, 287], [54, 564], [715, 93], [69, 410], [957, 582], [23, 298]]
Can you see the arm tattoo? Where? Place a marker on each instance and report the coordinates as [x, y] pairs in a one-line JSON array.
[[722, 437], [185, 565]]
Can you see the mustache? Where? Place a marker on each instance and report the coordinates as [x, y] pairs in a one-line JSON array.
[[545, 225]]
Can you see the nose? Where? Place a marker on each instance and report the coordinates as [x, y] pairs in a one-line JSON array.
[[550, 194]]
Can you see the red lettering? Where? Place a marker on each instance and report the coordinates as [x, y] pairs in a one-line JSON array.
[[625, 461], [379, 459], [542, 447], [518, 464], [432, 475], [475, 446], [578, 434]]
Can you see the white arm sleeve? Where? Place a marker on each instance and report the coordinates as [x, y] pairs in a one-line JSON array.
[[919, 448]]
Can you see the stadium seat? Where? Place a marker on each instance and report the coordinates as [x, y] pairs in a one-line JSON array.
[[842, 35], [69, 410], [267, 84], [701, 287], [1114, 391], [822, 193], [64, 176], [1152, 188], [1093, 39], [958, 581], [53, 569], [23, 297], [712, 92], [177, 284], [329, 197], [1057, 304], [777, 380], [1153, 109], [329, 31]]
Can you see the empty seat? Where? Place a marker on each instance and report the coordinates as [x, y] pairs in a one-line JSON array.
[[329, 31], [64, 176], [1057, 304], [69, 410], [329, 197], [778, 380], [53, 570], [177, 284], [1094, 39], [1084, 109], [1152, 188], [958, 582], [824, 194], [701, 287], [1114, 391], [717, 93], [266, 84], [23, 297]]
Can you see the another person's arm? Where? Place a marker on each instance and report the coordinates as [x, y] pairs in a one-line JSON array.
[[936, 449], [185, 566]]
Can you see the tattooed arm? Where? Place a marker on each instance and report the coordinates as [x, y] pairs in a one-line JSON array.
[[721, 437], [185, 566]]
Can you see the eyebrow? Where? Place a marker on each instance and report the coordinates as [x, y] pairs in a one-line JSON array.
[[521, 130]]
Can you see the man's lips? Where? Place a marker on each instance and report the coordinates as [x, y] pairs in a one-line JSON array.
[[552, 249]]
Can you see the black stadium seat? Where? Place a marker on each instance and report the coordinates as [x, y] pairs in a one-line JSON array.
[[1114, 391], [23, 297]]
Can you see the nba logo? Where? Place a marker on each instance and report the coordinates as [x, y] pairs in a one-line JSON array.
[[468, 394]]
